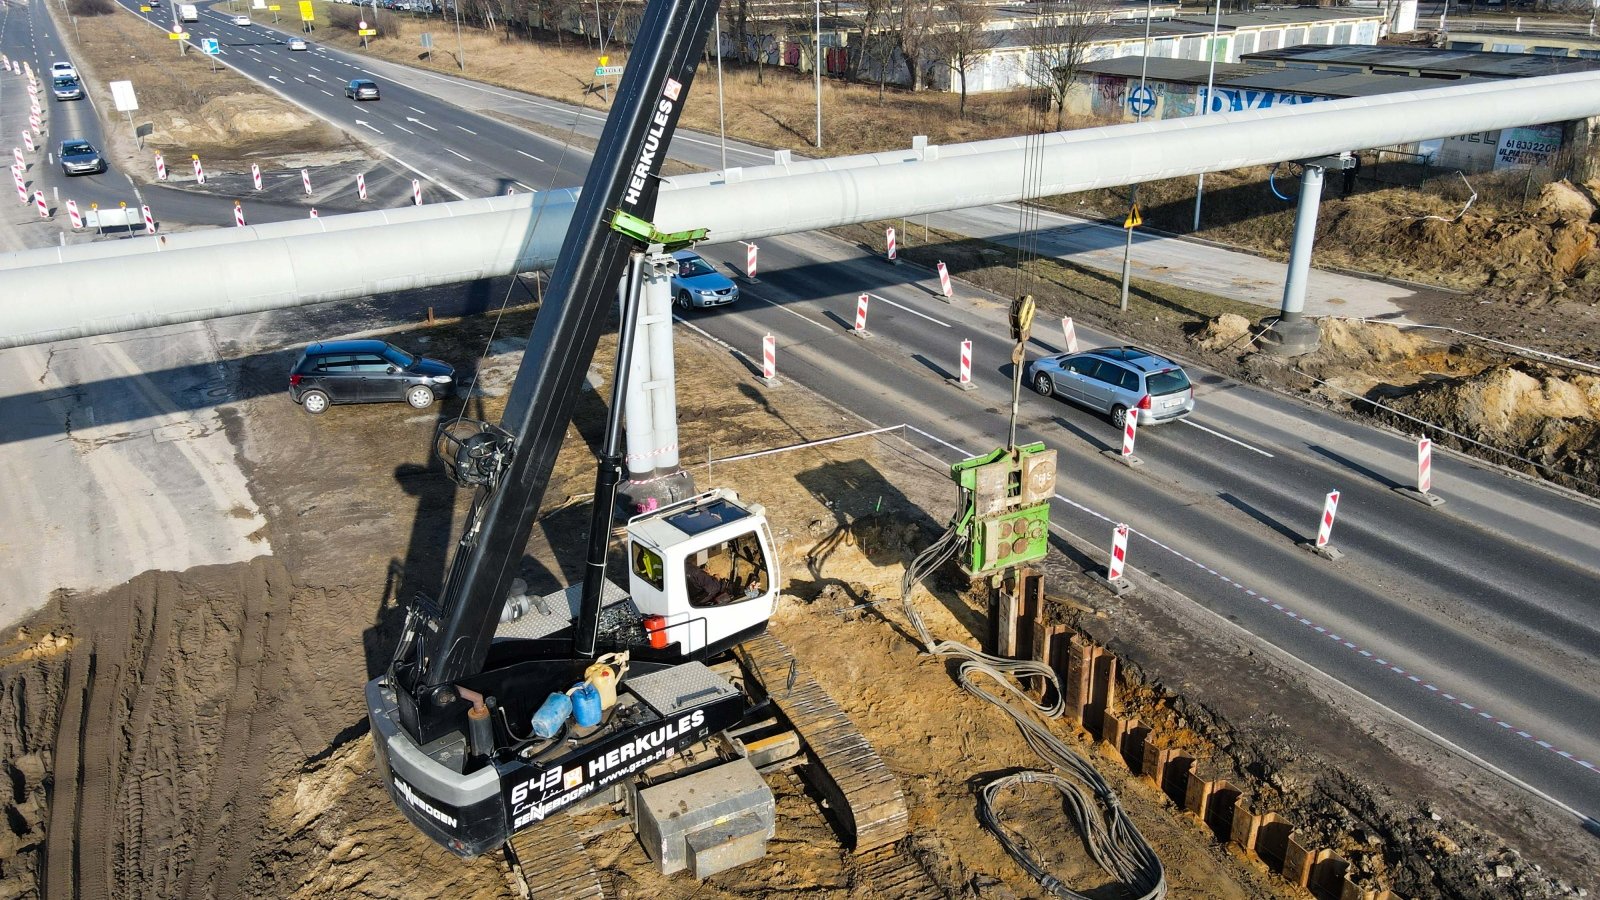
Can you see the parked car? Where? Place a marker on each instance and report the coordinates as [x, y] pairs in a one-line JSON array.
[[365, 372], [1114, 380], [297, 44], [63, 69], [697, 283], [361, 89], [241, 20], [67, 89], [79, 157]]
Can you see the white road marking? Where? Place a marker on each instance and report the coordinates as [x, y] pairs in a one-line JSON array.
[[416, 121], [909, 310], [530, 156], [403, 128], [363, 124], [418, 111], [329, 93], [313, 68], [467, 130], [467, 158], [518, 184], [775, 305], [1230, 440], [276, 78]]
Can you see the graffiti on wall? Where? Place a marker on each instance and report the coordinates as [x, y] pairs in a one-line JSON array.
[[1108, 96], [1226, 99]]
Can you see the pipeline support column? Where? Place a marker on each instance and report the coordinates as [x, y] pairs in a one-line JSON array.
[[1294, 334]]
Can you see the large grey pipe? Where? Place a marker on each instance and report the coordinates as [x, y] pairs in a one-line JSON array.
[[136, 283]]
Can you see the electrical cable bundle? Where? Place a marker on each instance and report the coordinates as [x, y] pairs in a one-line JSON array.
[[1108, 834]]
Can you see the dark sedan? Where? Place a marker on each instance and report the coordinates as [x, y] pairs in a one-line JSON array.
[[79, 157], [365, 372]]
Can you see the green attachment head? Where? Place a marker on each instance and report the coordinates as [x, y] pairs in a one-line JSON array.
[[1006, 506], [646, 233]]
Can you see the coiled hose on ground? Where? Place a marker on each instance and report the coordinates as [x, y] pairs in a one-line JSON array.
[[1110, 836]]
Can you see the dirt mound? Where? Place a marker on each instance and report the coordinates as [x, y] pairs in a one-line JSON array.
[[1536, 412], [241, 123], [1224, 332]]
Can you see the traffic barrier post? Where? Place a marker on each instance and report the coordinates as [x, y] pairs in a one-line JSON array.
[[27, 140], [161, 168], [149, 220], [750, 262], [861, 317], [1321, 546], [17, 158], [893, 254], [305, 179], [416, 192], [238, 214], [963, 379], [74, 215], [1130, 432], [769, 361], [22, 186], [944, 282], [255, 175], [1423, 492], [199, 170], [44, 208], [313, 212], [1117, 562], [361, 186], [1071, 334]]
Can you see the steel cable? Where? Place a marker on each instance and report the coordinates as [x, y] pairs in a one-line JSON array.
[[1108, 834]]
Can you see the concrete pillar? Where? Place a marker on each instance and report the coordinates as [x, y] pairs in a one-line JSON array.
[[1294, 335]]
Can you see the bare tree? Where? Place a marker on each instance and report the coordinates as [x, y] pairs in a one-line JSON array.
[[914, 24], [963, 38], [1058, 45]]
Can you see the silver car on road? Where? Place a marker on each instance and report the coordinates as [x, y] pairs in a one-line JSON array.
[[1114, 380]]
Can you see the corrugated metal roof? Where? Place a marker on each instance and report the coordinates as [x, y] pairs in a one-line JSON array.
[[1311, 82], [1452, 62]]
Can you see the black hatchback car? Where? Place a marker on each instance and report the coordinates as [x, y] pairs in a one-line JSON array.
[[365, 372]]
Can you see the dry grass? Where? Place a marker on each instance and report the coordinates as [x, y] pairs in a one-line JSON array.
[[219, 115]]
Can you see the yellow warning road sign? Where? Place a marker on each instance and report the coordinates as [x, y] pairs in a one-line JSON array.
[[1133, 220], [306, 13], [178, 35]]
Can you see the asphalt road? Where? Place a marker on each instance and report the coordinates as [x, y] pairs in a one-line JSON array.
[[1475, 621]]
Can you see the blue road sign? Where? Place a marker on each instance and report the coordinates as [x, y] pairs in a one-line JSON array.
[[1142, 100], [210, 45]]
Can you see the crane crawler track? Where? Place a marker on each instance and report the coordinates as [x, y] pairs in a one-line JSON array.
[[555, 864], [863, 795]]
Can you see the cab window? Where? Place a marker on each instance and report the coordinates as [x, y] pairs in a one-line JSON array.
[[647, 565], [727, 573]]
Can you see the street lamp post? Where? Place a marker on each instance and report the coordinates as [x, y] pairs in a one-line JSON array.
[[816, 65], [722, 125], [1211, 72], [1138, 111], [461, 52]]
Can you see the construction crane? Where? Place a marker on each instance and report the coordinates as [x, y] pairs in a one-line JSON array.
[[484, 722]]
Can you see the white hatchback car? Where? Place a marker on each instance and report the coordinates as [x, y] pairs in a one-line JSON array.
[[62, 70], [297, 44], [241, 20]]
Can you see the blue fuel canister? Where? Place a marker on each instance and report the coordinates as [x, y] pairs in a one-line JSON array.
[[586, 704], [551, 716]]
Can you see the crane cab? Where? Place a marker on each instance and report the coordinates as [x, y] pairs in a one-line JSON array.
[[703, 572]]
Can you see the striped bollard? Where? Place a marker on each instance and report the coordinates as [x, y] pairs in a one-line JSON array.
[[416, 192], [511, 190], [944, 281], [255, 175], [769, 361], [361, 186], [22, 186], [963, 379], [199, 170], [1130, 432], [1118, 560], [44, 208], [1320, 546], [888, 237], [149, 220], [861, 316], [238, 214], [1423, 492], [305, 179], [74, 215], [313, 212], [17, 158], [750, 263], [161, 168], [1071, 334], [27, 140]]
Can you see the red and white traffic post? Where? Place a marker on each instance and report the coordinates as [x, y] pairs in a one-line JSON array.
[[750, 262], [44, 208], [861, 316], [1071, 334], [17, 158], [149, 220], [255, 175], [361, 186], [74, 215], [944, 282], [416, 192], [161, 168], [305, 179], [963, 379], [199, 170], [888, 237], [1118, 560], [1130, 433], [238, 214], [1321, 547], [313, 212], [769, 361], [1423, 493], [27, 140], [22, 186]]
